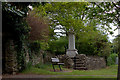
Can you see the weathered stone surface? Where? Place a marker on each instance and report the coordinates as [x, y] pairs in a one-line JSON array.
[[71, 41], [116, 62], [27, 57], [71, 51], [81, 56], [81, 61], [68, 62], [47, 57], [10, 58], [37, 59], [41, 57], [95, 62]]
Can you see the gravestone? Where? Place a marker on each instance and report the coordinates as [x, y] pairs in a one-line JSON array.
[[116, 60], [71, 51]]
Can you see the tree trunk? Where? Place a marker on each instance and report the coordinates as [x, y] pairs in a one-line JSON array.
[[118, 74]]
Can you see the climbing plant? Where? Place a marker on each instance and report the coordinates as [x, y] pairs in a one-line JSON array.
[[15, 28]]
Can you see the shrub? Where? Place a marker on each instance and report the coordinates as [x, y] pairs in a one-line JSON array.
[[35, 46], [111, 59], [42, 66], [28, 65]]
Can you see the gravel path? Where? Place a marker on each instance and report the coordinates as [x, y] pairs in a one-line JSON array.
[[46, 76]]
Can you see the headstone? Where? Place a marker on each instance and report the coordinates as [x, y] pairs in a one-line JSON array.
[[71, 51], [116, 60]]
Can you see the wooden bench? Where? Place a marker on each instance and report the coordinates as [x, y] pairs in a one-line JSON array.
[[56, 61]]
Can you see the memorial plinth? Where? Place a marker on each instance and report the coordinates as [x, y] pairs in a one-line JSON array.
[[71, 51]]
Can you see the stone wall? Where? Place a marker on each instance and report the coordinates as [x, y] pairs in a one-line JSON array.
[[10, 65], [10, 58], [41, 57], [95, 62], [81, 61], [68, 62], [92, 62], [36, 59]]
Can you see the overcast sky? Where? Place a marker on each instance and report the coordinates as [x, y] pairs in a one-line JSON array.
[[111, 37]]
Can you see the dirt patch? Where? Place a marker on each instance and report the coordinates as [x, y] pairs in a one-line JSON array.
[[58, 70]]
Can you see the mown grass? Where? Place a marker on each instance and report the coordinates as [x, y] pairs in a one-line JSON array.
[[86, 77], [47, 69]]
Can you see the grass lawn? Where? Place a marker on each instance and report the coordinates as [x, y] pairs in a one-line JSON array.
[[47, 69]]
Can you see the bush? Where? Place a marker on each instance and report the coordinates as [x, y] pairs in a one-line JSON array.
[[42, 66], [111, 59], [28, 65], [35, 46]]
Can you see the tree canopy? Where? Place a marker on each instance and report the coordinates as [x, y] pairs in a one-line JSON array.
[[76, 16]]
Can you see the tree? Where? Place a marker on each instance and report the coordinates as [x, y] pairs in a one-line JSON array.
[[58, 46], [69, 15], [39, 31], [76, 16], [39, 26], [115, 45], [106, 13], [93, 42]]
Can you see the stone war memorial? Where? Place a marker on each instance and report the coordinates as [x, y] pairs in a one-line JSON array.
[[81, 61], [71, 51]]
